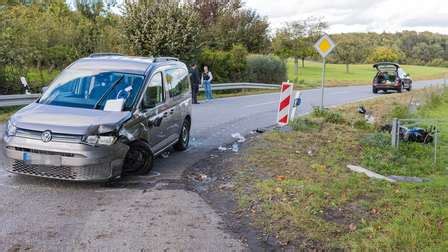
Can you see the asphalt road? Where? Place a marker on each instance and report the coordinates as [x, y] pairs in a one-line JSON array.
[[145, 212]]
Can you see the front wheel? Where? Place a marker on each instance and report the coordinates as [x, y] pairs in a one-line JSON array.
[[375, 91], [409, 88], [400, 89], [184, 137], [138, 160]]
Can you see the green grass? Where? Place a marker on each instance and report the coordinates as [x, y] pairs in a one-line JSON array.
[[6, 112], [296, 187], [38, 79], [336, 75]]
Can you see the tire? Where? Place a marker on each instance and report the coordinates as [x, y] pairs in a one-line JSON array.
[[184, 137], [375, 91], [400, 89], [409, 88], [139, 159]]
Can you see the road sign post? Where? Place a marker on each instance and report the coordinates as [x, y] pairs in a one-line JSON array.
[[284, 105], [324, 46]]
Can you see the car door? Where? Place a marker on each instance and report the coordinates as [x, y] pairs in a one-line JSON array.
[[155, 109], [178, 84]]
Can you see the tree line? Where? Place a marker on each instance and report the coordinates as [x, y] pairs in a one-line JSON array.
[[39, 36]]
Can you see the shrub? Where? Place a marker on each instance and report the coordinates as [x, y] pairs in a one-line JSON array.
[[225, 65], [265, 69]]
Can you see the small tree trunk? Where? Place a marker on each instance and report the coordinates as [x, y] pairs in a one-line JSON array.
[[296, 67], [303, 62], [346, 68]]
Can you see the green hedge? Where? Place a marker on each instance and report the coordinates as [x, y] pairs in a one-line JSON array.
[[237, 66], [265, 69]]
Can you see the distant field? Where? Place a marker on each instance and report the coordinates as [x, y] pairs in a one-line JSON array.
[[310, 76]]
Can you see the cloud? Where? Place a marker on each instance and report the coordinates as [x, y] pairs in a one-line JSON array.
[[359, 15]]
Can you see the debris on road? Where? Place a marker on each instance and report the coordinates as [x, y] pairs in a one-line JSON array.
[[235, 147], [240, 138], [165, 154], [222, 148], [260, 130]]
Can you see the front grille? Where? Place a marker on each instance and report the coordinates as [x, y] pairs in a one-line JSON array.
[[96, 172], [56, 137]]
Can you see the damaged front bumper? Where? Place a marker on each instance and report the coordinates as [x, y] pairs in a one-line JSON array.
[[63, 160]]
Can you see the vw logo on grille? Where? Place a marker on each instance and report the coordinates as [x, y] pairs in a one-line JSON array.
[[46, 136]]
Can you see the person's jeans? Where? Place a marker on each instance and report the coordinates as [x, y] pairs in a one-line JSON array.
[[208, 90]]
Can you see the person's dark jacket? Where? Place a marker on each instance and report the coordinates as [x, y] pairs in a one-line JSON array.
[[195, 77]]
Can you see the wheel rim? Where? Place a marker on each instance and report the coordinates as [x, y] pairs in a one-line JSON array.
[[136, 159], [185, 134]]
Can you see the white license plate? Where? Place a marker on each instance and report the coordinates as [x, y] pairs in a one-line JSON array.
[[38, 159]]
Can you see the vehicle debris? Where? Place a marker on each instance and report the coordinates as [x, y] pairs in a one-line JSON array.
[[368, 116], [369, 173], [260, 130], [235, 147], [240, 138], [409, 179], [222, 148], [165, 154]]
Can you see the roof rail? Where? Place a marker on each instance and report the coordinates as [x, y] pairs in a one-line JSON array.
[[160, 59], [93, 55]]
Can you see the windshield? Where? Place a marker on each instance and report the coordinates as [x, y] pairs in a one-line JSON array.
[[91, 89]]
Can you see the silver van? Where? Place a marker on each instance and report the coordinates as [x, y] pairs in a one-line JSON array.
[[104, 116]]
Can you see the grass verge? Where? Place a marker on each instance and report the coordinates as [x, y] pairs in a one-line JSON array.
[[295, 185], [359, 74]]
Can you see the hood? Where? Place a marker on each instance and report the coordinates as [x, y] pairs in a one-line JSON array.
[[67, 120]]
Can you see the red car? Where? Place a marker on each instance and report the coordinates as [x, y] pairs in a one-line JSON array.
[[390, 76]]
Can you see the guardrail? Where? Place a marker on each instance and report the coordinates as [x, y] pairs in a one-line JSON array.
[[17, 100], [24, 99], [247, 85]]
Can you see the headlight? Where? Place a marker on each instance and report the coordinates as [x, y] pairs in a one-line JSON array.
[[99, 140], [10, 129]]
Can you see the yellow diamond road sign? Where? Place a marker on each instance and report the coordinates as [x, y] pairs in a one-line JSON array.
[[324, 45]]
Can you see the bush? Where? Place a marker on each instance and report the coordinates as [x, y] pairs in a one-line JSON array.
[[225, 66], [265, 69]]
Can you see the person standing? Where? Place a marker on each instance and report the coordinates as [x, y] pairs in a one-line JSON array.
[[195, 81], [207, 78]]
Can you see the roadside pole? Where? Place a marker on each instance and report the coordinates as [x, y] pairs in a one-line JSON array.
[[324, 46], [323, 84]]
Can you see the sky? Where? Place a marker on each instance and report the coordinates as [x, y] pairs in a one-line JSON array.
[[359, 15]]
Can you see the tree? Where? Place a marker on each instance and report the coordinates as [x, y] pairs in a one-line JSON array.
[[296, 40], [384, 54], [162, 28], [349, 50]]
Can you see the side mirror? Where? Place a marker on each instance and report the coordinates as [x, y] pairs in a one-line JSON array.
[[43, 89]]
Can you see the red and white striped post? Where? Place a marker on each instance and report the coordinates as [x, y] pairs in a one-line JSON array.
[[284, 103]]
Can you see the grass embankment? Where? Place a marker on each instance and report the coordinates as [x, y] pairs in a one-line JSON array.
[[296, 187], [311, 75]]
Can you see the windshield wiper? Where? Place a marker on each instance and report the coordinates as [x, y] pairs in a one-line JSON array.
[[108, 91]]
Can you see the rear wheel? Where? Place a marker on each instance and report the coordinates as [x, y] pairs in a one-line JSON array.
[[409, 88], [138, 160], [400, 89], [374, 90], [184, 137]]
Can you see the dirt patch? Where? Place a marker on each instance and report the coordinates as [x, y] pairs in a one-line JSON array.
[[213, 179]]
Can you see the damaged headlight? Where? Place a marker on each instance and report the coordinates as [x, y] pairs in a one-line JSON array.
[[10, 129], [99, 140]]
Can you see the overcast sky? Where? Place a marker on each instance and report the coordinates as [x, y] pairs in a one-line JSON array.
[[359, 15]]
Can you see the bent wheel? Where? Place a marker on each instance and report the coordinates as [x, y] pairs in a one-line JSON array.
[[138, 160]]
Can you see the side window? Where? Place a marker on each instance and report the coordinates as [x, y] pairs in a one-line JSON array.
[[178, 81], [154, 94]]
